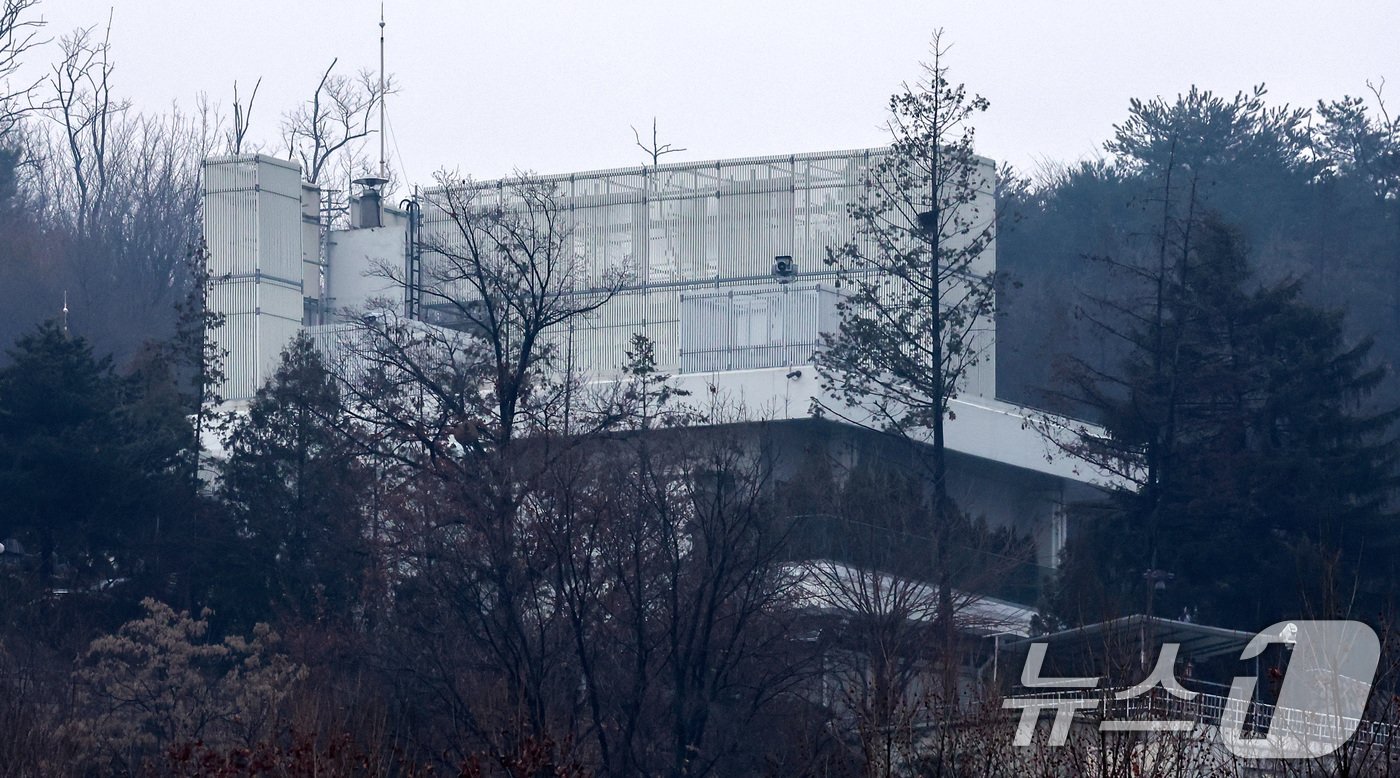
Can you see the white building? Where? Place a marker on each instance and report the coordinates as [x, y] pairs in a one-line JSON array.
[[696, 244]]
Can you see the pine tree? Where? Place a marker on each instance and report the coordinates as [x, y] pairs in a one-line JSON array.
[[62, 472], [292, 482], [1240, 416], [915, 292]]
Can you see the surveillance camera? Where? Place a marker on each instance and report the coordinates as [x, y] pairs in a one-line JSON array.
[[784, 269]]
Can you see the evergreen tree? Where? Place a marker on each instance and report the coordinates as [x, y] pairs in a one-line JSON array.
[[916, 293], [292, 483], [64, 475], [1238, 413], [1314, 196]]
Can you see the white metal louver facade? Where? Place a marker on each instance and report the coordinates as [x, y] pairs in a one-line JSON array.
[[253, 232], [697, 241]]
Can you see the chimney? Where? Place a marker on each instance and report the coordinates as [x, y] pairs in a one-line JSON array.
[[368, 210]]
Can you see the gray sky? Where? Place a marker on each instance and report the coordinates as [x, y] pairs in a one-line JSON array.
[[554, 87]]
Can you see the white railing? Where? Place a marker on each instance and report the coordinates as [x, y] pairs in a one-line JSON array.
[[1261, 718]]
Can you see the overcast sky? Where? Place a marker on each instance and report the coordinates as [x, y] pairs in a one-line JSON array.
[[555, 87]]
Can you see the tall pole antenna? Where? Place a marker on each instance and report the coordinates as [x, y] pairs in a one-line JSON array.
[[65, 312], [383, 168]]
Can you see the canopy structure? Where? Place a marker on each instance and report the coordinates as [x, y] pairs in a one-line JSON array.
[[1198, 641], [834, 587]]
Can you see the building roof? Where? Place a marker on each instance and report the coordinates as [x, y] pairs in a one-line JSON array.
[[1199, 641], [836, 587]]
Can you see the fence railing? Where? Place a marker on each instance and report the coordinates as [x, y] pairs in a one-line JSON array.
[[1261, 718]]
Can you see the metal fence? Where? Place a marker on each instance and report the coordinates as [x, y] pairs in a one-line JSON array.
[[695, 243], [1370, 738]]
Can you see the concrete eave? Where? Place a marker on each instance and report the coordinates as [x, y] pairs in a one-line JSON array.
[[979, 427]]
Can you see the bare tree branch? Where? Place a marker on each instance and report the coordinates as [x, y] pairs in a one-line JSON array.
[[333, 121], [656, 150]]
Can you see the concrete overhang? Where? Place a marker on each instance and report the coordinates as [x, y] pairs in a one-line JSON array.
[[979, 427]]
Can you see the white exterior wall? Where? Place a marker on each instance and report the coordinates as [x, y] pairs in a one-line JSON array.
[[312, 261], [697, 242], [253, 230], [697, 239], [354, 273]]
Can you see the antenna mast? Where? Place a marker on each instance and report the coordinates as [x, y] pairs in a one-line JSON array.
[[383, 168]]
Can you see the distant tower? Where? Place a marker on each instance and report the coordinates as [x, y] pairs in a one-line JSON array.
[[65, 313]]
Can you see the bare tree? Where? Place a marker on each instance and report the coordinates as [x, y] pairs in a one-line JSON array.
[[126, 202], [623, 596], [119, 192], [242, 116], [85, 110], [670, 560], [867, 579], [333, 120], [471, 407], [657, 149], [501, 265], [19, 34], [878, 658]]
